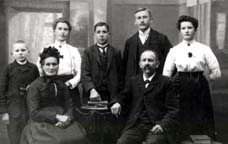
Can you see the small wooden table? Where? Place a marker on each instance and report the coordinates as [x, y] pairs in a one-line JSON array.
[[97, 116]]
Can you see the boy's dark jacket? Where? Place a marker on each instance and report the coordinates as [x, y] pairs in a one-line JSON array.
[[13, 82], [92, 71]]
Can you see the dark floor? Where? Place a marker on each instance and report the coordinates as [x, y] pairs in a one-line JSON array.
[[220, 103], [3, 134]]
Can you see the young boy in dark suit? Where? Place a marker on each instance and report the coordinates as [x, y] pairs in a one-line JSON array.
[[14, 81], [101, 72]]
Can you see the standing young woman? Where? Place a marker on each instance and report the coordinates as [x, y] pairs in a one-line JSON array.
[[50, 107], [192, 60], [70, 61]]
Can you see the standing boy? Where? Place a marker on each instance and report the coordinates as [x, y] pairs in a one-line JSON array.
[[101, 67], [14, 81], [101, 70]]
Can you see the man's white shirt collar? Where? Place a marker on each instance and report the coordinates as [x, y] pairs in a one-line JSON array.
[[105, 46], [146, 32], [143, 36], [22, 63], [148, 79]]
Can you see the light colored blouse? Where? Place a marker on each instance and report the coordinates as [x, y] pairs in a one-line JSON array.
[[70, 64], [192, 57]]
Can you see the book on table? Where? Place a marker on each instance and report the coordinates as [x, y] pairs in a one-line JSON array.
[[97, 103], [200, 139]]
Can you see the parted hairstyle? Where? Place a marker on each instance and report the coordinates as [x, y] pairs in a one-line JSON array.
[[99, 24], [144, 9], [63, 20], [185, 18], [49, 52]]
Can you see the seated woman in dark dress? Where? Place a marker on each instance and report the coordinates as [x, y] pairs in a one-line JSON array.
[[50, 107]]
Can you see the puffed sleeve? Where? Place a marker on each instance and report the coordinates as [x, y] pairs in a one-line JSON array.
[[213, 64], [76, 63], [169, 66]]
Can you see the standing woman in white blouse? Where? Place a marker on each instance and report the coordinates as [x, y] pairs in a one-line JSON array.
[[70, 61], [192, 59]]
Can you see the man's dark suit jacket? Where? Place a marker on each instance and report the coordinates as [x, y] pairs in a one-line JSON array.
[[159, 98], [92, 71], [157, 42]]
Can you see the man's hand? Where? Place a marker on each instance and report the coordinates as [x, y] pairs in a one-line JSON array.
[[69, 85], [116, 109], [60, 124], [5, 118], [156, 129], [94, 95]]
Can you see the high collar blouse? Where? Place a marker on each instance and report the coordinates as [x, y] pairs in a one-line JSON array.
[[192, 57]]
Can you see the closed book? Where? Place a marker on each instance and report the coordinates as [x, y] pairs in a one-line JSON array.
[[200, 139], [101, 104], [98, 102]]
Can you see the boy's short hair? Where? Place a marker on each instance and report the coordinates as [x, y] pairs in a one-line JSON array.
[[62, 20], [144, 9], [20, 42], [99, 24]]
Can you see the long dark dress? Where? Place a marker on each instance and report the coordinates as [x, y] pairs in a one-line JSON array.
[[48, 96], [196, 110]]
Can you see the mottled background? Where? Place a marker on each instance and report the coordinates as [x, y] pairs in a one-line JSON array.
[[31, 20]]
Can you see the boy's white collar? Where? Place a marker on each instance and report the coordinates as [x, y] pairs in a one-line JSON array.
[[22, 63]]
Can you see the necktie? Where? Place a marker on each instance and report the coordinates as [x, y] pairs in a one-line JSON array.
[[146, 82], [103, 52]]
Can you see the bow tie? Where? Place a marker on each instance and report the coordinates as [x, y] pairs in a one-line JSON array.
[[147, 81]]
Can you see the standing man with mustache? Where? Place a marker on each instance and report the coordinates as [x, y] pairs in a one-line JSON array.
[[146, 38]]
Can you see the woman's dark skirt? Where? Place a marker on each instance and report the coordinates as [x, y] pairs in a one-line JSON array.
[[196, 110], [44, 133]]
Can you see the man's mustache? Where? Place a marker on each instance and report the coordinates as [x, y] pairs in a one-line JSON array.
[[143, 24], [147, 67]]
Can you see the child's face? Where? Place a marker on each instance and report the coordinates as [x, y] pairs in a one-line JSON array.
[[50, 66], [101, 34], [20, 52]]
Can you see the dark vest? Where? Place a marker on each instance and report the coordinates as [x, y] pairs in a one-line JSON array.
[[104, 61], [144, 117]]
